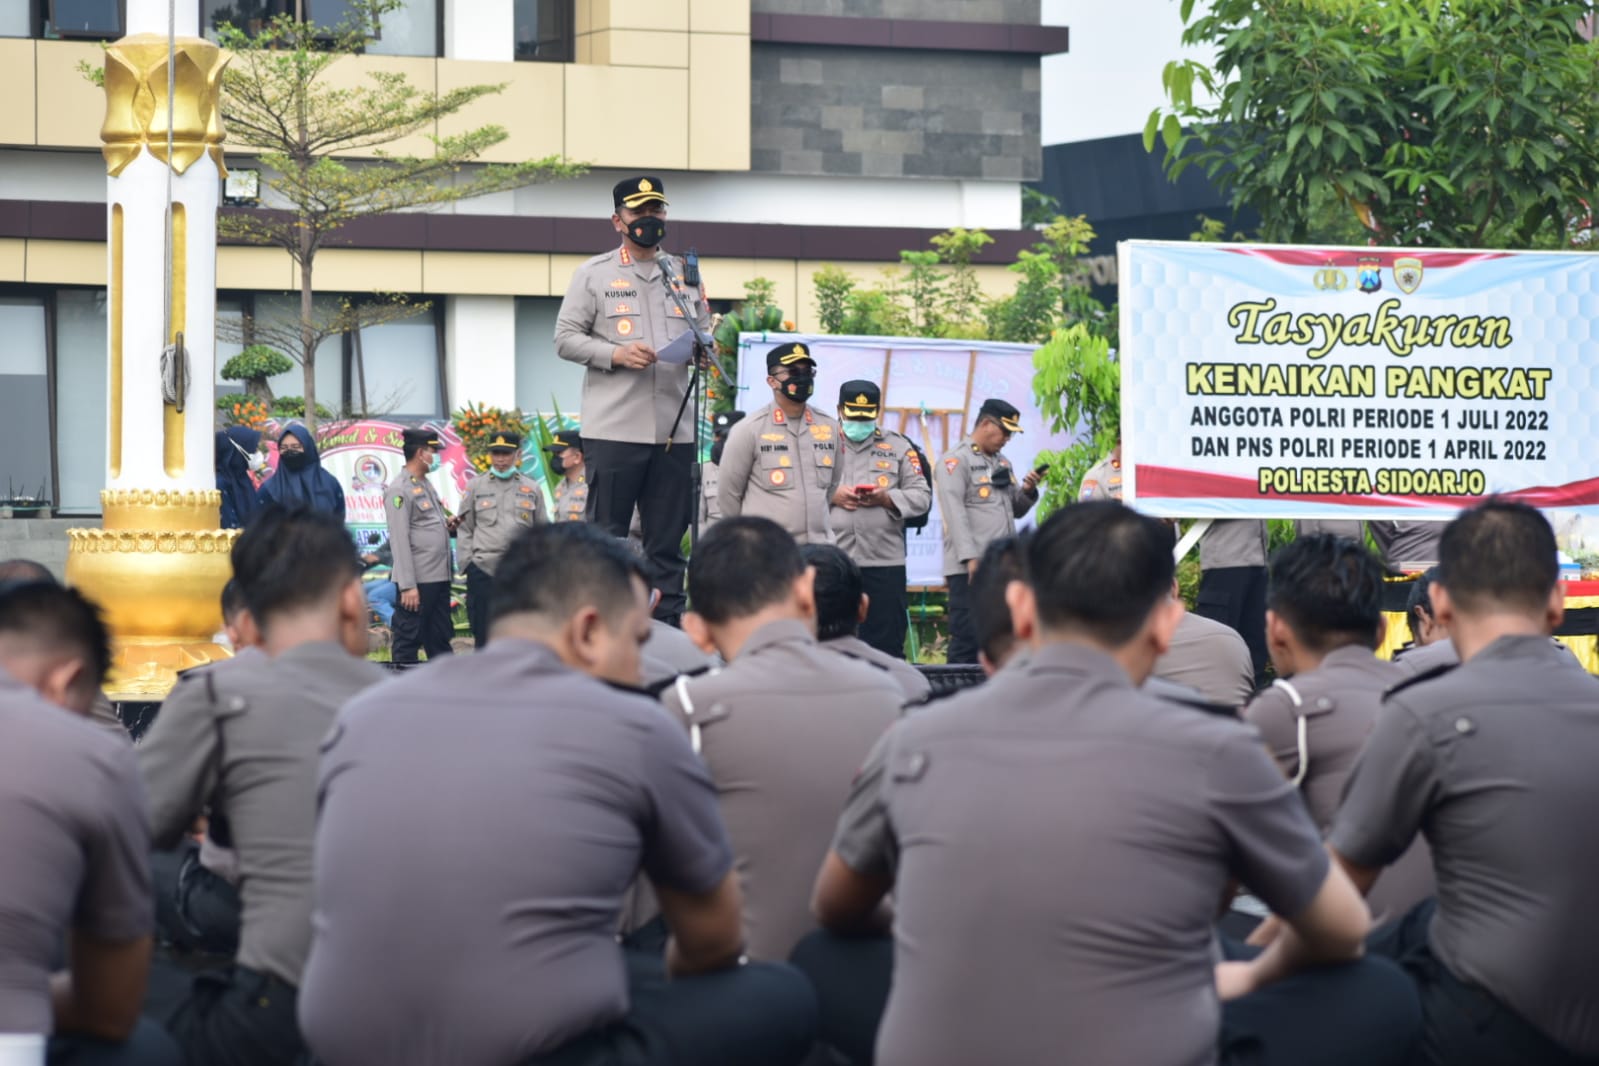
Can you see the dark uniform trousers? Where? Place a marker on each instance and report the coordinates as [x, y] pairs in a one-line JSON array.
[[228, 1017], [759, 1014], [1362, 1012], [1236, 596], [962, 628], [195, 909], [147, 1045], [1462, 1025], [884, 627], [478, 583], [428, 628], [659, 482]]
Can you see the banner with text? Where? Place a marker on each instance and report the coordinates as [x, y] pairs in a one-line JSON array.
[[1288, 382]]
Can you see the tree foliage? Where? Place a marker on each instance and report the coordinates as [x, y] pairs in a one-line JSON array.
[[1445, 122], [280, 103], [1077, 385]]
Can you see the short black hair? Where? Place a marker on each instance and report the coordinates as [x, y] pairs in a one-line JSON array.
[[50, 615], [292, 557], [1003, 561], [740, 566], [557, 569], [1328, 589], [24, 570], [1099, 568], [1420, 599], [232, 599], [839, 586], [1499, 554]]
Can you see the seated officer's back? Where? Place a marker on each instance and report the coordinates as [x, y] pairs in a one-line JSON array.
[[783, 726]]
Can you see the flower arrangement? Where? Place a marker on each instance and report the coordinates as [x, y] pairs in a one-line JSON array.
[[239, 409], [476, 425]]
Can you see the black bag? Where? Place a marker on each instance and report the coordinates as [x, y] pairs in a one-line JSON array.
[[920, 521]]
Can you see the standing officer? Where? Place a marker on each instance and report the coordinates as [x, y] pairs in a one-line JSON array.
[[1232, 582], [1104, 479], [617, 314], [710, 473], [979, 501], [498, 504], [572, 492], [782, 462], [880, 484], [419, 534]]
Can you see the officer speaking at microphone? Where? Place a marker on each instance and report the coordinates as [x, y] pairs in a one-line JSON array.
[[880, 484], [617, 315]]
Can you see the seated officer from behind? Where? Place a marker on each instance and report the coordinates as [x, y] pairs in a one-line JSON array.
[[1323, 624], [781, 461], [1493, 761], [74, 843], [841, 606], [1430, 646], [1208, 658], [497, 504], [1057, 797], [998, 646], [484, 933], [783, 727], [245, 739]]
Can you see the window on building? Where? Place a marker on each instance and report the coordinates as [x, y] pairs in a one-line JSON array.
[[100, 20], [80, 398], [25, 398], [544, 30], [544, 380], [16, 20], [412, 29], [397, 368]]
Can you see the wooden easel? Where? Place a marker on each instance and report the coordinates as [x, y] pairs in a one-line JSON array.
[[910, 415]]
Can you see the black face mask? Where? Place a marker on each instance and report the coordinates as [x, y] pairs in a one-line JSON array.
[[294, 460], [647, 231], [716, 450], [799, 387], [556, 465]]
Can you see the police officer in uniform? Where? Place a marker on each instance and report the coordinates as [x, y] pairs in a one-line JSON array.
[[419, 534], [979, 500], [711, 472], [572, 491], [782, 461], [498, 504], [1408, 545], [616, 316], [880, 484], [1492, 761], [1232, 582], [1104, 479]]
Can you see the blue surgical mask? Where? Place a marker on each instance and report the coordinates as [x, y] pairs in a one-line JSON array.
[[858, 431], [504, 475], [434, 465]]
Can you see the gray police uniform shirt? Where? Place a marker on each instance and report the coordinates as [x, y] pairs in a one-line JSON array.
[[1102, 482], [1116, 820], [1414, 661], [615, 300], [912, 682], [493, 511], [784, 469], [783, 729], [1339, 703], [418, 535], [875, 536], [974, 511], [74, 847], [1493, 762], [572, 499], [1233, 542], [710, 501], [244, 736], [544, 796], [1408, 545], [1338, 527], [1210, 658], [672, 646]]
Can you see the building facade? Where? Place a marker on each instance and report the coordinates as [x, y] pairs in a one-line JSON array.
[[790, 134]]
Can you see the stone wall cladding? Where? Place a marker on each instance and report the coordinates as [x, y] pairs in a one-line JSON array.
[[820, 110]]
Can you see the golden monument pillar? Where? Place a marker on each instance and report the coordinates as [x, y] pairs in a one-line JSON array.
[[158, 565]]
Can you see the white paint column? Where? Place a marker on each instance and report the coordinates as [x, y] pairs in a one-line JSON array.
[[480, 29], [150, 16], [480, 349]]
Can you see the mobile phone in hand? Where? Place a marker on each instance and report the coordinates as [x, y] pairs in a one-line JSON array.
[[865, 490], [1041, 469]]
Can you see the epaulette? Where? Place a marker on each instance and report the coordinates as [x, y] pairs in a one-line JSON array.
[[1425, 675], [1221, 710], [631, 690], [655, 690]]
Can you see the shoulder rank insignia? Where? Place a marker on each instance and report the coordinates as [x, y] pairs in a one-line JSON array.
[[951, 463]]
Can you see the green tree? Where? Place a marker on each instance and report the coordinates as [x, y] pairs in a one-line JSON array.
[[963, 296], [833, 290], [1077, 385], [1449, 122], [254, 366], [278, 103]]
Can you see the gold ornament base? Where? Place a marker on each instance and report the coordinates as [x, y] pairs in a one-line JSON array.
[[156, 569]]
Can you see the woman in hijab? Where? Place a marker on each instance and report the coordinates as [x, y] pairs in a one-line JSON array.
[[238, 453], [300, 479]]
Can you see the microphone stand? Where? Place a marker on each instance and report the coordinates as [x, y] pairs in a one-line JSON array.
[[703, 349]]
